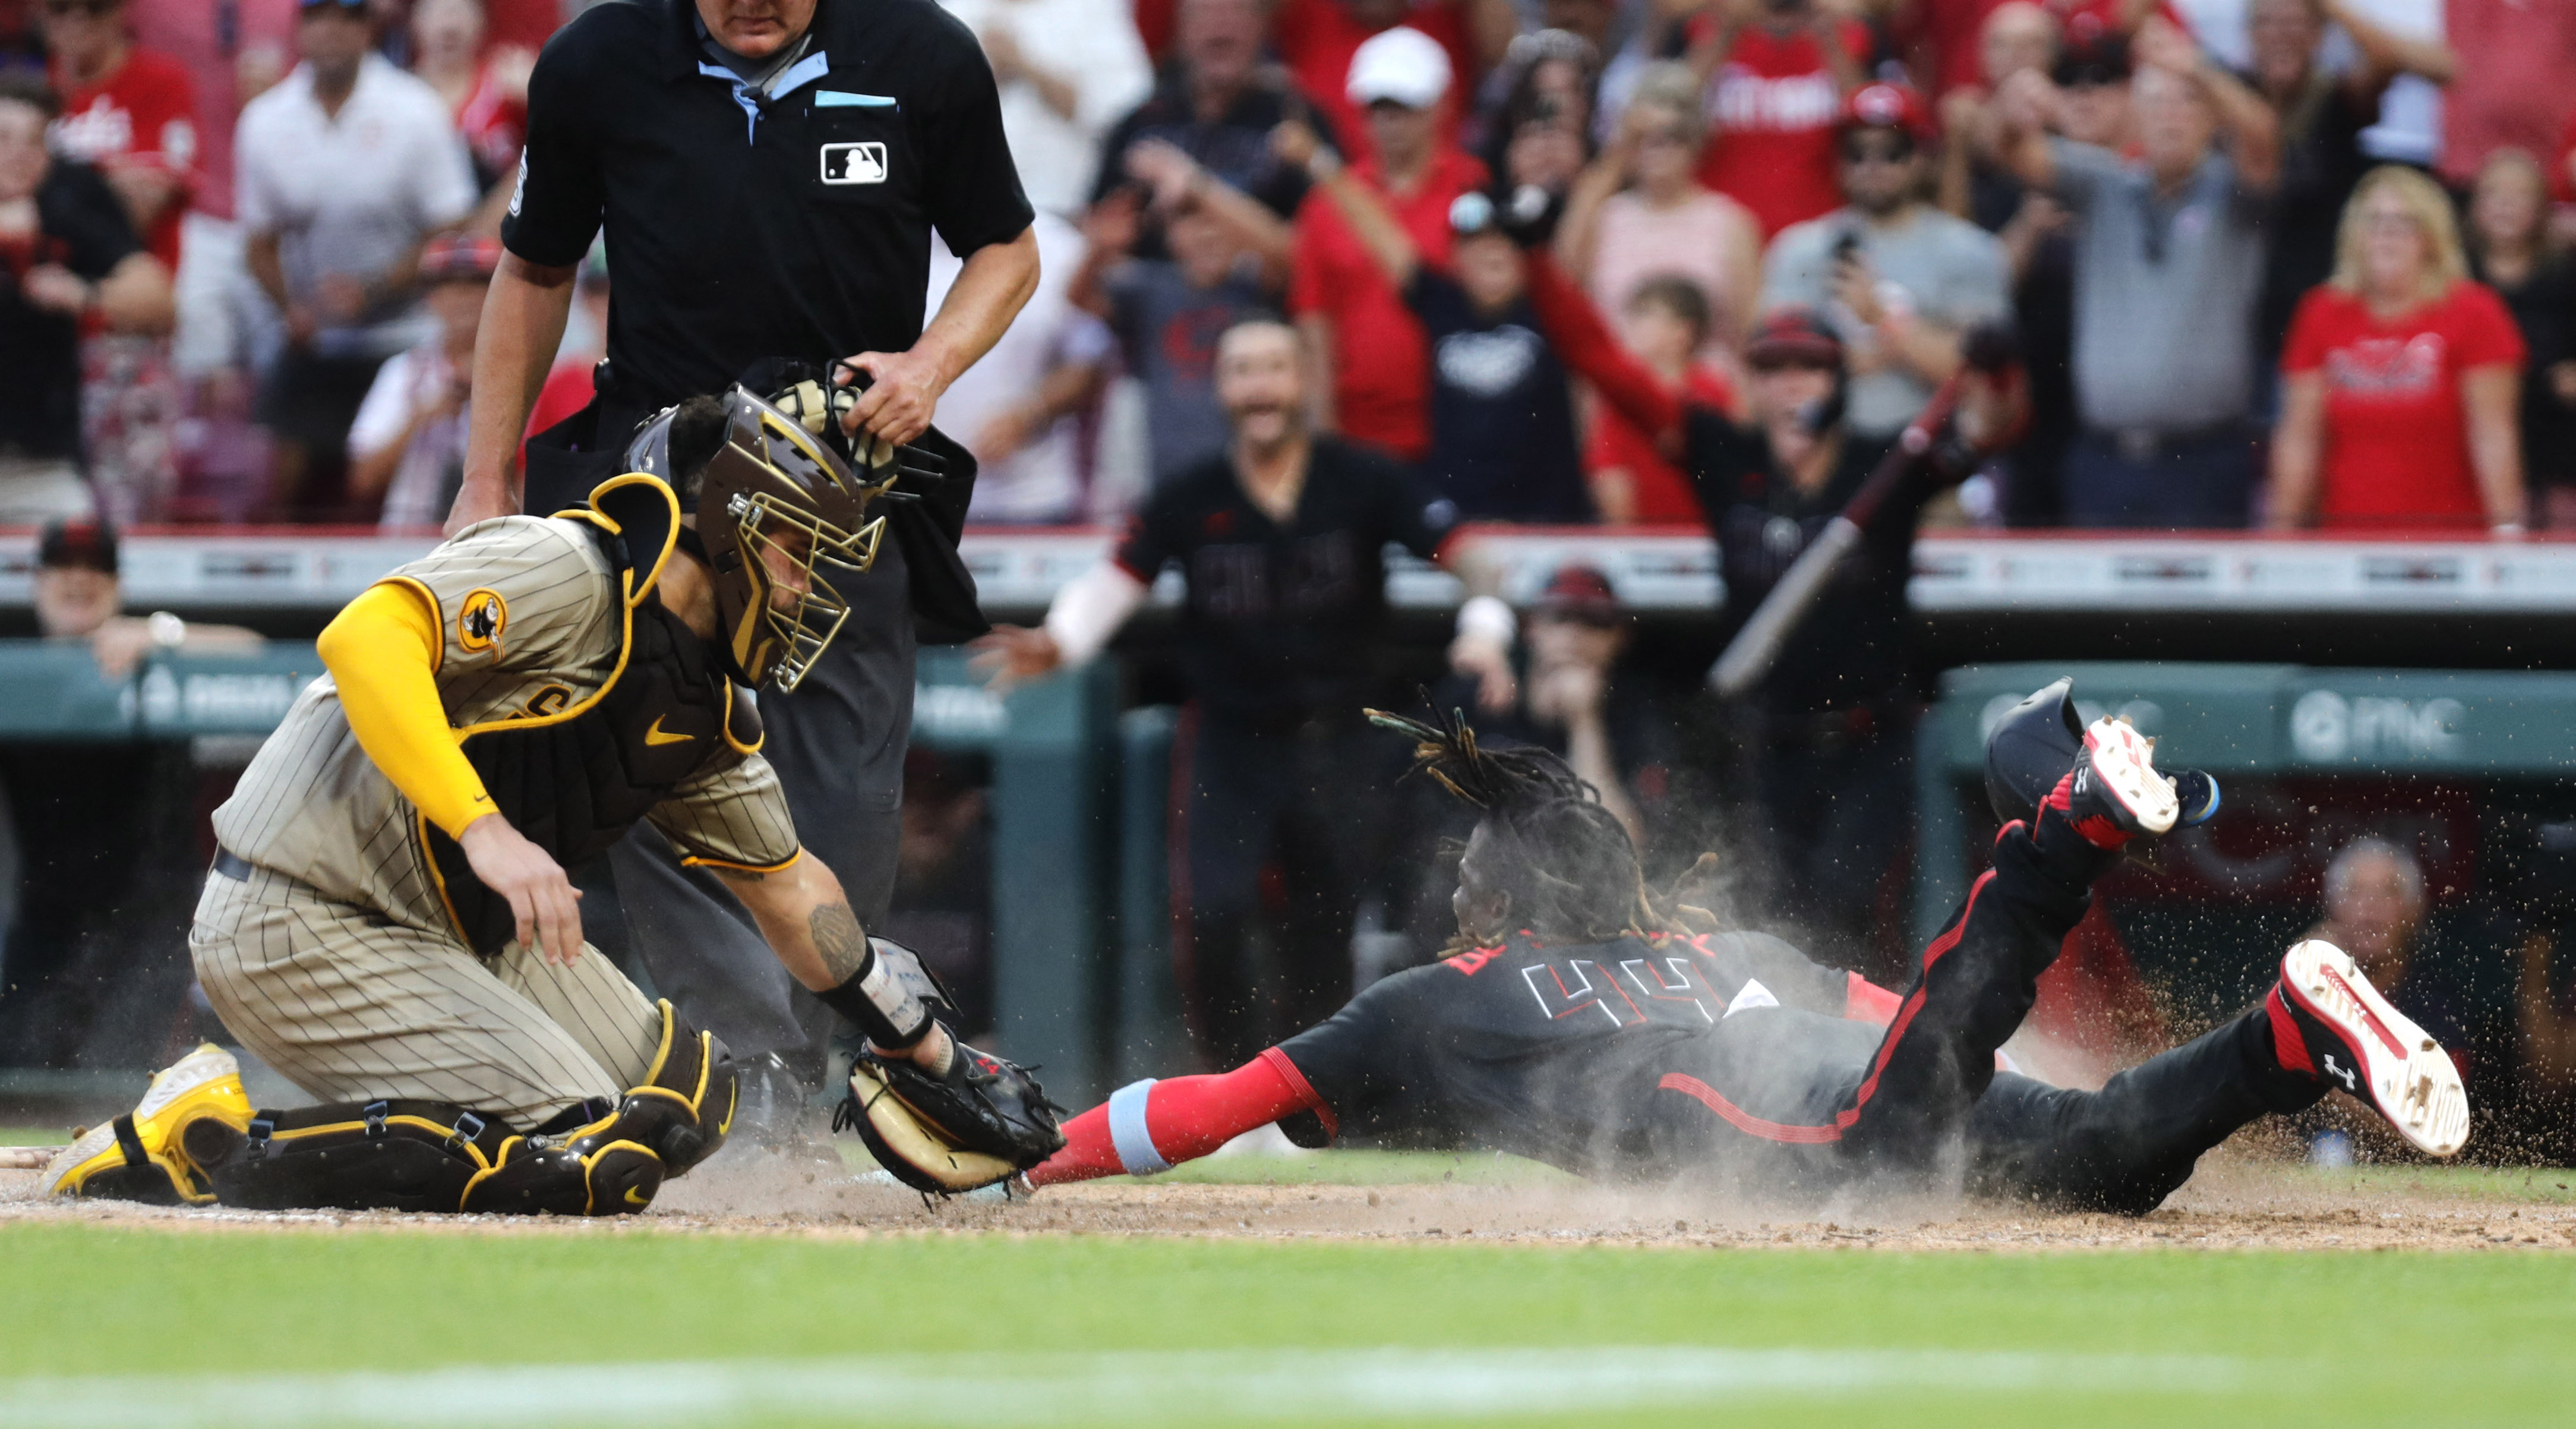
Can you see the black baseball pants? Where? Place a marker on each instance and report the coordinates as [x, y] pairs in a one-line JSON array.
[[1796, 1102]]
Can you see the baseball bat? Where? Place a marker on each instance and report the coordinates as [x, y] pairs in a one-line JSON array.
[[1756, 648]]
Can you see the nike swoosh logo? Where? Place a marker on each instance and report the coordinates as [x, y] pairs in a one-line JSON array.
[[655, 735], [731, 1106], [633, 1199]]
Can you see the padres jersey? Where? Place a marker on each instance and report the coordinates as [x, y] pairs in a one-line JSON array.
[[1548, 1051], [530, 613]]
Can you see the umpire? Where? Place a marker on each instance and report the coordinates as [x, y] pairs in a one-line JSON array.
[[768, 174]]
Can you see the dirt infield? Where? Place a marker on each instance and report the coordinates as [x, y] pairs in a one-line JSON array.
[[2235, 1203]]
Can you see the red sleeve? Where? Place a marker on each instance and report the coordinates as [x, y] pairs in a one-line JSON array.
[[2305, 348], [163, 95], [1583, 342], [2487, 332], [1186, 1118], [1307, 284]]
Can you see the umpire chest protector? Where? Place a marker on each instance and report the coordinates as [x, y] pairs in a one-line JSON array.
[[575, 779]]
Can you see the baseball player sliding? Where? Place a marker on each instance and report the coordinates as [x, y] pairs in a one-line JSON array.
[[389, 923]]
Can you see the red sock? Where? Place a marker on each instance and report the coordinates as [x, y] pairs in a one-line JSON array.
[[1185, 1118], [2097, 830]]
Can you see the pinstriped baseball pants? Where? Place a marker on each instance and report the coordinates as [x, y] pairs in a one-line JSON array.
[[351, 1006]]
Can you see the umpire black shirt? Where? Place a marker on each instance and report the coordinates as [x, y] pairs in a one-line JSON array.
[[1284, 620], [792, 219]]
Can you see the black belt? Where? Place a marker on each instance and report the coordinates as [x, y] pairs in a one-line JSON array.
[[232, 865]]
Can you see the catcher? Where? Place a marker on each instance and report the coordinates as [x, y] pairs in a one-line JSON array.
[[1583, 1024], [389, 924]]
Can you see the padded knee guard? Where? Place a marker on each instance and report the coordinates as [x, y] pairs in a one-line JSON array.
[[694, 1073]]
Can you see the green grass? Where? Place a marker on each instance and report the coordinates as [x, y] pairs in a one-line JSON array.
[[2346, 1339], [2543, 1185]]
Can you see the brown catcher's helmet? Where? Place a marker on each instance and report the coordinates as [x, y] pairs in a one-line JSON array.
[[775, 507]]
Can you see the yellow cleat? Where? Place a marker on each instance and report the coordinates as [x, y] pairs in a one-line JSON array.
[[144, 1155]]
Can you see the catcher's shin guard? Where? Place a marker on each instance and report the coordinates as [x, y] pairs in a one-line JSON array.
[[435, 1156], [432, 1156], [158, 1152], [361, 1156]]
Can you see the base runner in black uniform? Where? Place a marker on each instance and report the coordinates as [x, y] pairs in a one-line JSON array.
[[1583, 1024]]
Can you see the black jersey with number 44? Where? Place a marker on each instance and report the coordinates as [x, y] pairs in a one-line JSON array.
[[1548, 1051]]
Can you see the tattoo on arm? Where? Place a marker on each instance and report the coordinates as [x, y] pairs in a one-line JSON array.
[[838, 938]]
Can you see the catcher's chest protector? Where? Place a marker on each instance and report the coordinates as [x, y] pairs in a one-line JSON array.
[[573, 784]]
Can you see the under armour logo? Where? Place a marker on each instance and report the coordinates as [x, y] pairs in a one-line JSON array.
[[854, 163], [2342, 1074]]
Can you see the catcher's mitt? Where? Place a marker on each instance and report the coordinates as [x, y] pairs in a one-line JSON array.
[[983, 1122]]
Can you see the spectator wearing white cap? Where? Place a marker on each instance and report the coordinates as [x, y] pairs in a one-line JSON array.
[[344, 170], [1375, 380]]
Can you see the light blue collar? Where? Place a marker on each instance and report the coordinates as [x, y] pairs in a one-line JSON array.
[[779, 86]]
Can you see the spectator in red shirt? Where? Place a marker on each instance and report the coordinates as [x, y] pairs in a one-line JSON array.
[[1320, 39], [1665, 323], [1778, 73], [486, 94], [2400, 379], [127, 112], [1375, 378], [2514, 59]]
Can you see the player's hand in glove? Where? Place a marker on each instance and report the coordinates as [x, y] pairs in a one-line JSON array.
[[979, 1122]]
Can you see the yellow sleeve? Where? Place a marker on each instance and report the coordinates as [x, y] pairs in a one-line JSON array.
[[383, 650]]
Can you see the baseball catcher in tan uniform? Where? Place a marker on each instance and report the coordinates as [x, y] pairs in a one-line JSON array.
[[389, 923]]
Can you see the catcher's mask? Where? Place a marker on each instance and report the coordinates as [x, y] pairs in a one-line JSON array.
[[775, 508]]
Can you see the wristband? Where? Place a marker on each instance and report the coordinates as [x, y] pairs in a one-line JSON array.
[[879, 1005], [1487, 618]]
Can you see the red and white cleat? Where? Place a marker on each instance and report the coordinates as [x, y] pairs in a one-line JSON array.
[[2114, 793], [2328, 1021]]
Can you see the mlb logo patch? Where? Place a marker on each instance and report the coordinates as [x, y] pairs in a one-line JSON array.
[[854, 163]]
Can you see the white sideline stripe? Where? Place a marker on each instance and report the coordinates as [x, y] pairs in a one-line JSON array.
[[1194, 1386]]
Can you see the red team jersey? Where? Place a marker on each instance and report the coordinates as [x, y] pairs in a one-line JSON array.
[[1316, 39], [2396, 433], [1381, 358], [1773, 108], [142, 115]]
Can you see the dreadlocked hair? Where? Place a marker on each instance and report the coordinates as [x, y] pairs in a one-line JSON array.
[[1567, 861]]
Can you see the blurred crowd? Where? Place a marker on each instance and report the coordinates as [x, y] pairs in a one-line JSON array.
[[2267, 262]]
